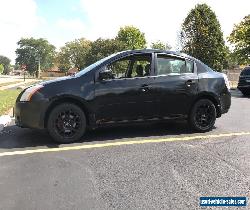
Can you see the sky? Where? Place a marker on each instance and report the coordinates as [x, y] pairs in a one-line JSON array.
[[61, 21]]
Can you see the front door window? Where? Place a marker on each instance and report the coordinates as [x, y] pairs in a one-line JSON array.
[[131, 67]]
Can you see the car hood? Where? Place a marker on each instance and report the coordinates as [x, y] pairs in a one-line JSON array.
[[57, 80]]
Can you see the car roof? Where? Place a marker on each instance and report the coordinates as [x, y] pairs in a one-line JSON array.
[[177, 53], [156, 51], [151, 51]]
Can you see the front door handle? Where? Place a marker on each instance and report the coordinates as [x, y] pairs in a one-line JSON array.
[[190, 82], [144, 88]]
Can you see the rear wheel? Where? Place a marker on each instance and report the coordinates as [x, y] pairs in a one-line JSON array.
[[66, 123], [203, 115]]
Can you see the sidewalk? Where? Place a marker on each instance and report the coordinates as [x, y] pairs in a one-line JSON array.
[[19, 84]]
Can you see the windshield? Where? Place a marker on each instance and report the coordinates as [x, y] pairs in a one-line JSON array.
[[246, 71], [92, 66]]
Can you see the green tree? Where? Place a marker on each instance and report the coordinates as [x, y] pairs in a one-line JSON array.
[[231, 61], [102, 48], [16, 66], [240, 38], [73, 54], [5, 61], [202, 37], [30, 51], [1, 68], [160, 45], [132, 37]]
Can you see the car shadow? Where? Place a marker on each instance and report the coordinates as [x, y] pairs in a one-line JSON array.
[[14, 137], [138, 131]]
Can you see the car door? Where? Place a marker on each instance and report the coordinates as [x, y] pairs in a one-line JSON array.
[[127, 95], [175, 85]]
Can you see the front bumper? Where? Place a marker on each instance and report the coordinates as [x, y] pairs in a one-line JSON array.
[[243, 87], [225, 102], [243, 83], [30, 114]]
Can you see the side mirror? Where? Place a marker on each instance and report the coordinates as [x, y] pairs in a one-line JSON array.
[[106, 74]]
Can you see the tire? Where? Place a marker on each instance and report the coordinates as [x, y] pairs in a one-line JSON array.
[[66, 123], [202, 116]]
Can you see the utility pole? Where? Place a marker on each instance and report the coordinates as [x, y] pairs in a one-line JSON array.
[[39, 68], [23, 67], [38, 60]]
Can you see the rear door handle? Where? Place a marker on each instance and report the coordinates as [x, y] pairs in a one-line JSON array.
[[190, 82]]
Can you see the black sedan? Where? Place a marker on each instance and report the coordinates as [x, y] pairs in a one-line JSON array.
[[126, 87], [244, 81]]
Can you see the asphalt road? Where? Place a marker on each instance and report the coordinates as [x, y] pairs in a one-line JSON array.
[[143, 167]]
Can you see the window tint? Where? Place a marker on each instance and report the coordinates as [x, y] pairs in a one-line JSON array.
[[140, 67], [201, 67], [119, 68], [168, 65], [132, 66], [189, 66]]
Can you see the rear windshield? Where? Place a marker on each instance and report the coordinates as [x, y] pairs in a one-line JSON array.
[[245, 71]]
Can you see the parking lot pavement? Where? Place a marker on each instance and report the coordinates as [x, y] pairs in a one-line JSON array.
[[148, 175]]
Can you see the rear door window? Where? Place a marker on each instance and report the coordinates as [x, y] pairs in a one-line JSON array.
[[167, 65]]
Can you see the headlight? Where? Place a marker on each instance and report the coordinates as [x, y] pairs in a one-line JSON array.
[[29, 92], [226, 81]]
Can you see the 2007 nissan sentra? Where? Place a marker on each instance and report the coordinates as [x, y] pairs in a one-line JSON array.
[[127, 87]]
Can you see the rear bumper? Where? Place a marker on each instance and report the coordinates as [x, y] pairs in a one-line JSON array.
[[30, 114]]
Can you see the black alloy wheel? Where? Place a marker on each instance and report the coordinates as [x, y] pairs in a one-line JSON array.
[[66, 123], [203, 115]]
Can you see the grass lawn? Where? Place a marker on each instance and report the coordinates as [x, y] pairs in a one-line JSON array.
[[7, 100]]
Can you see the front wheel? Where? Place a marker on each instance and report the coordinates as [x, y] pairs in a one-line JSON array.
[[203, 115], [66, 123]]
